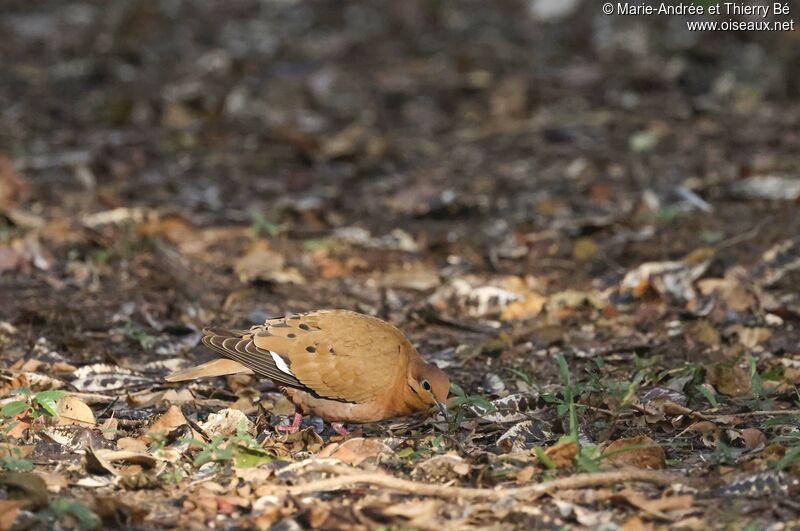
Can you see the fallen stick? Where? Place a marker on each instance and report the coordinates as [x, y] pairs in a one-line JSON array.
[[579, 481]]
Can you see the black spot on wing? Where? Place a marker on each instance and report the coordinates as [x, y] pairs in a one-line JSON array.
[[259, 361]]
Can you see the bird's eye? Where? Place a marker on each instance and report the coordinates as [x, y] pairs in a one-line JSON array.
[[426, 385]]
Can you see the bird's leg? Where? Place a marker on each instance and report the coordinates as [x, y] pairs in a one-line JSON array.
[[295, 427], [339, 428]]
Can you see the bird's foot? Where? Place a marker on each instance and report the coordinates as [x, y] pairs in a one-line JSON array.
[[340, 429], [295, 427]]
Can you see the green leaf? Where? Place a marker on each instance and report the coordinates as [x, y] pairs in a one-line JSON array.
[[456, 390], [48, 400], [12, 409], [481, 402], [85, 517], [587, 463], [708, 394], [251, 457], [15, 465]]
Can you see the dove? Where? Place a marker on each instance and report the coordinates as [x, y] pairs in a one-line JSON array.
[[340, 365]]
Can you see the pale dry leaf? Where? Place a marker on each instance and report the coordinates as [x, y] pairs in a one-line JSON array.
[[355, 451], [227, 422], [639, 452], [444, 467], [261, 263], [74, 411]]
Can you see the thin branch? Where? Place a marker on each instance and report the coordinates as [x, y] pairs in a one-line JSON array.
[[765, 413], [579, 481]]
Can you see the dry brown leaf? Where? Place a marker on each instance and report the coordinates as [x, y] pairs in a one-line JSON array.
[[528, 308], [28, 487], [703, 332], [72, 411], [9, 510], [355, 451], [635, 524], [639, 452], [703, 426], [416, 279], [264, 264], [563, 453], [418, 513], [55, 482], [171, 419], [729, 380], [102, 459], [658, 506], [18, 430], [443, 467], [15, 451], [753, 438], [176, 230], [109, 429], [13, 187], [734, 295], [753, 337]]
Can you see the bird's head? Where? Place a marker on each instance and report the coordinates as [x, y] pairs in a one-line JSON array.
[[430, 384]]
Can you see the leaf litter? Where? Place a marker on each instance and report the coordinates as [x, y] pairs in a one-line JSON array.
[[617, 308]]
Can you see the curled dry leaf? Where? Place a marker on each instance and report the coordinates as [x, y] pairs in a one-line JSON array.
[[658, 506], [563, 453], [355, 451], [729, 380], [442, 467], [753, 337], [171, 419], [729, 290], [227, 422], [639, 452], [419, 514], [9, 510], [527, 308], [14, 450], [27, 487], [673, 281], [753, 438], [261, 263], [74, 411], [100, 460], [481, 298]]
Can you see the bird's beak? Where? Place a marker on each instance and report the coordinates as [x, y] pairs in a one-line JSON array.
[[442, 408]]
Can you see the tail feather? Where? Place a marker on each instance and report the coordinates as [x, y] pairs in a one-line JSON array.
[[218, 367]]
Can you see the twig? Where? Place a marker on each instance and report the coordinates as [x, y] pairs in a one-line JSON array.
[[579, 481], [765, 413]]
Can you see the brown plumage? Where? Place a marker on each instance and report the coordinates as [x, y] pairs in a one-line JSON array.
[[338, 364]]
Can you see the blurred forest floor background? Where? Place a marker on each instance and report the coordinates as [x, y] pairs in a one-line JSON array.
[[569, 212]]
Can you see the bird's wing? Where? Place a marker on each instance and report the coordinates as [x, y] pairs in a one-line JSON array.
[[333, 354]]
